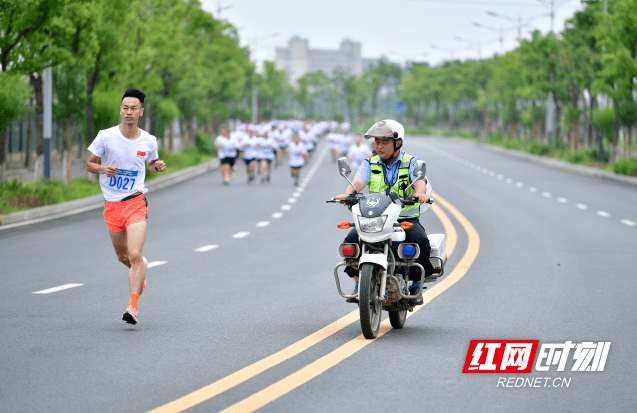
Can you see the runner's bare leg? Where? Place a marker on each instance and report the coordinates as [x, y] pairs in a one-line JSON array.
[[119, 240], [136, 236]]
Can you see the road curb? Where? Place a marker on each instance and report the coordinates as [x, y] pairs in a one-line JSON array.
[[565, 166], [49, 212]]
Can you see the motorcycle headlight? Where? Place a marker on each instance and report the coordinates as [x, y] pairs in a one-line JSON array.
[[372, 224]]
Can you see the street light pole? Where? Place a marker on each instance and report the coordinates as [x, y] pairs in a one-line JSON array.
[[48, 102]]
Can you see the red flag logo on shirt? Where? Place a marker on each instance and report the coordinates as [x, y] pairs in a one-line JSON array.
[[140, 153]]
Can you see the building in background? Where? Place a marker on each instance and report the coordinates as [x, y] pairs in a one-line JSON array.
[[298, 59]]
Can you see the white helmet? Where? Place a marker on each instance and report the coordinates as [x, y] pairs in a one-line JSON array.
[[386, 129]]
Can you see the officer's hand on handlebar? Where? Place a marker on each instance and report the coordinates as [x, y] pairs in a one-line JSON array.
[[420, 198], [342, 198]]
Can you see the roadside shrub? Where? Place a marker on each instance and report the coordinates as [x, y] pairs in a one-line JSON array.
[[575, 157], [539, 148], [205, 145], [515, 144], [626, 167]]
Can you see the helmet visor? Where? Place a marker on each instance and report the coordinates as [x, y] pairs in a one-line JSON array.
[[380, 130]]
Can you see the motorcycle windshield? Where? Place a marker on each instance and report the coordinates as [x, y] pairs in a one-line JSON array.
[[373, 205]]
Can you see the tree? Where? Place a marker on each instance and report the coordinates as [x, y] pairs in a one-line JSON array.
[[69, 86], [618, 35], [13, 101]]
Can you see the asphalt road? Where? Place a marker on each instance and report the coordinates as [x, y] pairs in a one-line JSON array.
[[255, 322]]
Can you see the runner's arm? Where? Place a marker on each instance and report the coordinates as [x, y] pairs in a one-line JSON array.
[[93, 167]]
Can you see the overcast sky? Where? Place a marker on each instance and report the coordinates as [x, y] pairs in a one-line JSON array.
[[398, 29]]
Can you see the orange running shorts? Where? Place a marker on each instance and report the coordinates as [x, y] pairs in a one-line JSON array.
[[119, 215]]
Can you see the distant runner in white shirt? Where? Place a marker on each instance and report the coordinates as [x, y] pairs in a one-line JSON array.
[[123, 150], [227, 153], [250, 154], [358, 152], [298, 155], [268, 150]]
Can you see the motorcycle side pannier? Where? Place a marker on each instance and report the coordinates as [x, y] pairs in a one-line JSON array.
[[438, 254]]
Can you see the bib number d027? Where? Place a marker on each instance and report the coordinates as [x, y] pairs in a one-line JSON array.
[[126, 184]]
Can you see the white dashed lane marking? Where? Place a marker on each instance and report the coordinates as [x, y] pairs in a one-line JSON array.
[[241, 234], [292, 200], [562, 200], [296, 194], [55, 289], [277, 215], [263, 224], [285, 207], [156, 263], [206, 248]]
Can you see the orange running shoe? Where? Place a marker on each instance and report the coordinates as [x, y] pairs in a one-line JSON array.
[[130, 316]]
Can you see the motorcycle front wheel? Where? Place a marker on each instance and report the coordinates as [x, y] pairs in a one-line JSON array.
[[369, 302]]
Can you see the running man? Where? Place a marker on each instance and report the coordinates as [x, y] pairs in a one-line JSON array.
[[298, 155], [227, 152], [358, 152], [123, 149]]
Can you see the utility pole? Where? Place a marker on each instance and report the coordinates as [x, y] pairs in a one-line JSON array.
[[500, 31], [48, 102], [472, 43]]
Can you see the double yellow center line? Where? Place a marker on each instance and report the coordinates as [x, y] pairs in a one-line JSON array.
[[316, 368]]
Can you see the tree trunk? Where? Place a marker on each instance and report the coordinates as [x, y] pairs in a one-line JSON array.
[[615, 150], [153, 123], [67, 156], [573, 135], [486, 123], [629, 143], [185, 133], [3, 153], [535, 132], [27, 159], [36, 83], [170, 136]]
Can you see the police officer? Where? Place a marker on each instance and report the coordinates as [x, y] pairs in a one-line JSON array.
[[391, 170]]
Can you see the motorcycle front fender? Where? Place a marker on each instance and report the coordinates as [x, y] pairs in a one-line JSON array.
[[379, 259]]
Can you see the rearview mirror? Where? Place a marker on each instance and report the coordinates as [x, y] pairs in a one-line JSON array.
[[343, 167], [420, 168]]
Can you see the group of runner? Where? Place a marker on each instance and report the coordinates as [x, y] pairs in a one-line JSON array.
[[260, 145], [342, 144]]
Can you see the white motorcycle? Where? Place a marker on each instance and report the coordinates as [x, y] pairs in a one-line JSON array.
[[382, 257]]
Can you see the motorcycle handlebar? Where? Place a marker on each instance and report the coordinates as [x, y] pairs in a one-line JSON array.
[[412, 202], [350, 200]]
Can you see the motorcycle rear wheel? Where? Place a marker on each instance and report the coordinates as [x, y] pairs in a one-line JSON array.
[[369, 303], [397, 318]]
